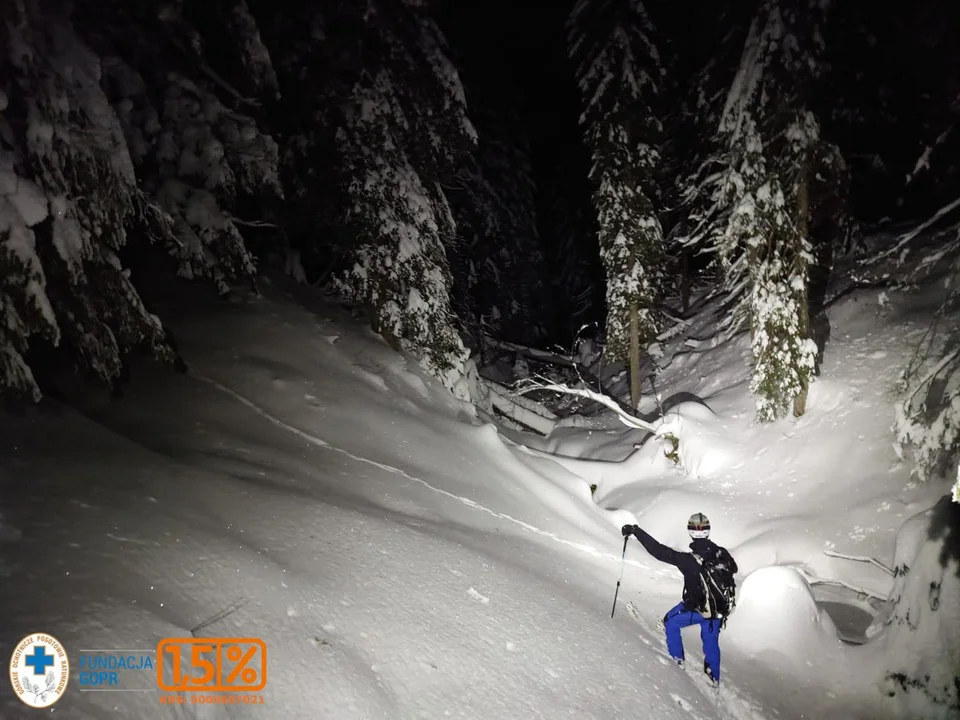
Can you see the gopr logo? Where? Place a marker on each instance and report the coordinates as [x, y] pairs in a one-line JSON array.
[[39, 670]]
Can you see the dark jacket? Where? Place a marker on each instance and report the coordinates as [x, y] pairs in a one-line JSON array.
[[686, 563]]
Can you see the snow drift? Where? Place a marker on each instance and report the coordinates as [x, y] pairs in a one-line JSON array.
[[920, 634]]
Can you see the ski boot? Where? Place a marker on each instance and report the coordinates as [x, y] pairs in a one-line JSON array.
[[709, 673]]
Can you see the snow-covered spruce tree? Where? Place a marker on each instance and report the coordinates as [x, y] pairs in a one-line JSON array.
[[772, 139], [196, 155], [404, 129], [618, 71], [68, 203]]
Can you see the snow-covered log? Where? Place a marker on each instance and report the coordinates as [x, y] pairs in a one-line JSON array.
[[525, 411], [530, 353], [624, 417]]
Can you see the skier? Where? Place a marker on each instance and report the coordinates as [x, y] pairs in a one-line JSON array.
[[708, 590]]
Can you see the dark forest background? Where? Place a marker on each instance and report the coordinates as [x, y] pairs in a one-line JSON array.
[[465, 176]]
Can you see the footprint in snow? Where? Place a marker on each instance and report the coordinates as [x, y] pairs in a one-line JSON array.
[[482, 599]]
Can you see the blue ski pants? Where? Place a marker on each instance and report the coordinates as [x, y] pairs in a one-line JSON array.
[[677, 619]]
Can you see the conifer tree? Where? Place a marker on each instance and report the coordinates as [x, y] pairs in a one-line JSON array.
[[197, 147], [404, 129], [618, 71], [771, 141], [69, 202]]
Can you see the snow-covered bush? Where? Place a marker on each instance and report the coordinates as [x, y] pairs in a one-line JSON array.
[[928, 419], [920, 633], [928, 415]]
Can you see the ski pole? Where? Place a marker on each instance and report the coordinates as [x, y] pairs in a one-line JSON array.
[[623, 560]]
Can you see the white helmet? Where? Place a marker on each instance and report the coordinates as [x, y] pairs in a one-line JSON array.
[[698, 526]]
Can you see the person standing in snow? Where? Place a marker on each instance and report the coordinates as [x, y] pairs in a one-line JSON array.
[[708, 590]]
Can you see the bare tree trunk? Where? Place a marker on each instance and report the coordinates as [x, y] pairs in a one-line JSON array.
[[634, 355], [803, 227], [685, 279]]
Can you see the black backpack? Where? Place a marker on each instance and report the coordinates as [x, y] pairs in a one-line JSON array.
[[719, 586]]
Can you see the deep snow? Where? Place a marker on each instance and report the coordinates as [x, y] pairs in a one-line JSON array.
[[403, 559]]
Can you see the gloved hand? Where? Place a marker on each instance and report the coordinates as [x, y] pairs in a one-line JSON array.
[[629, 530]]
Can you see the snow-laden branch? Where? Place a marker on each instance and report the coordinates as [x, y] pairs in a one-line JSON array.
[[923, 162], [532, 385], [815, 580], [907, 237], [931, 374], [859, 558], [250, 223]]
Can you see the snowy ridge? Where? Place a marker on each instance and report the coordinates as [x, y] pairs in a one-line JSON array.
[[381, 597]]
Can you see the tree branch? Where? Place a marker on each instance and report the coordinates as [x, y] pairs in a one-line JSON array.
[[627, 419], [907, 237], [858, 558], [814, 580], [532, 353]]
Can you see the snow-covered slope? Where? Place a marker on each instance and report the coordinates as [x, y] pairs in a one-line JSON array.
[[404, 560], [795, 501], [398, 558]]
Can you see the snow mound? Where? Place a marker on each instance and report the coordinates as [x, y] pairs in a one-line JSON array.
[[919, 638], [706, 446], [777, 620]]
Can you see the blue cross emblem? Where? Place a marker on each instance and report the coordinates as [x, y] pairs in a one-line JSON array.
[[39, 660]]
